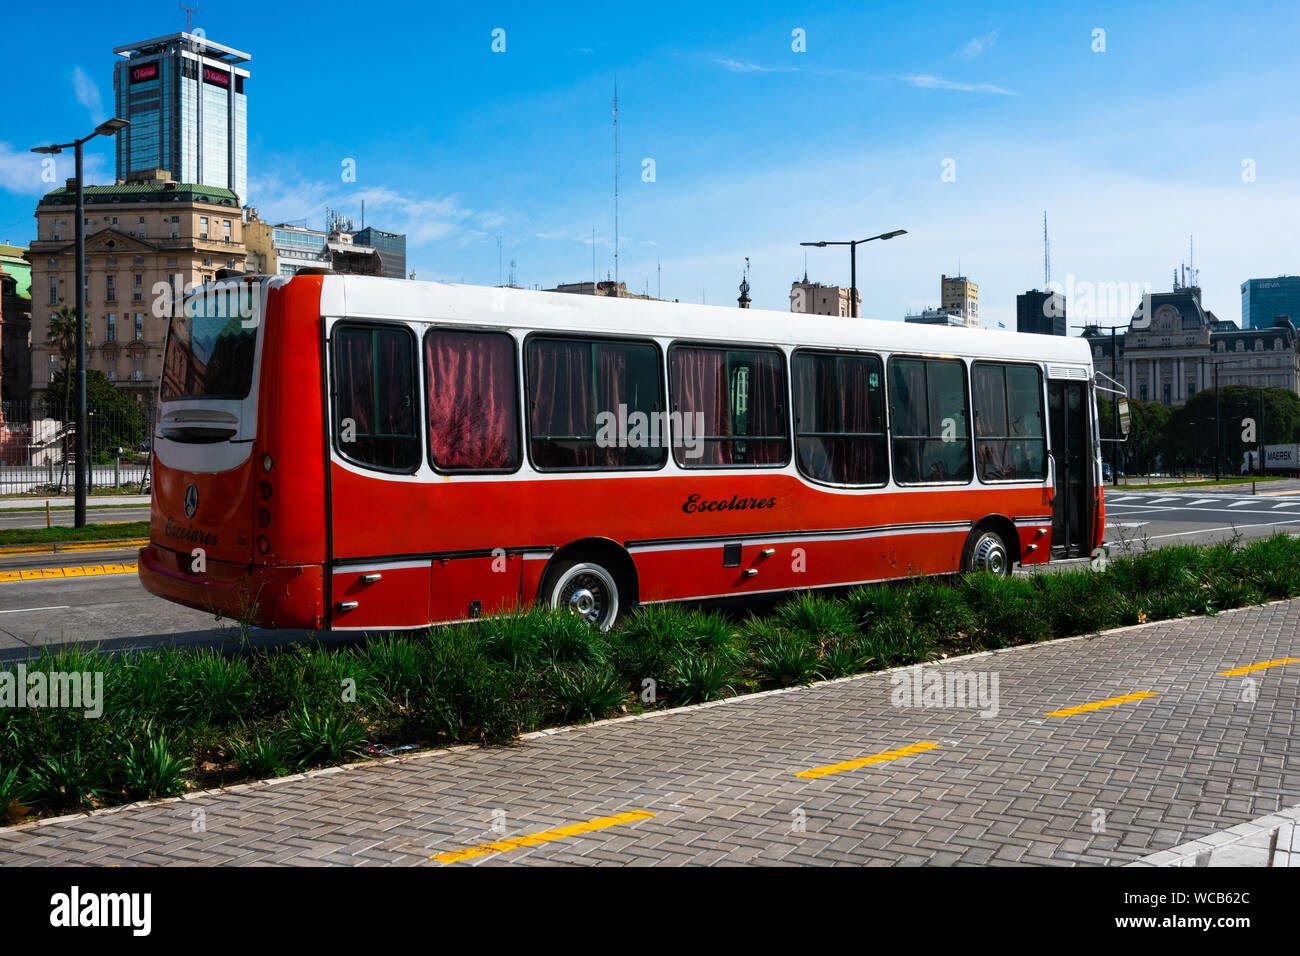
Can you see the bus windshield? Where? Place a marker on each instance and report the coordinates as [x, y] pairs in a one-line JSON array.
[[211, 345]]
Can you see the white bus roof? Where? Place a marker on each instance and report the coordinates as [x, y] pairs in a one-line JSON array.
[[367, 297]]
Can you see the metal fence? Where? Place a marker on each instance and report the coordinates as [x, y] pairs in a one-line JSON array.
[[38, 449]]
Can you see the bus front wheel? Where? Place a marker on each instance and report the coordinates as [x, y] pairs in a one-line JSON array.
[[987, 551], [586, 589]]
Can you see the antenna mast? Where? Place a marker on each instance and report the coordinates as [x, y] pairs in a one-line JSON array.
[[1047, 255], [616, 184]]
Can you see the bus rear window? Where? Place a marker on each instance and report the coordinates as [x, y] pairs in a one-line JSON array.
[[210, 347]]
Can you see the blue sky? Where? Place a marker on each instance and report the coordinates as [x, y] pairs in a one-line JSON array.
[[755, 146]]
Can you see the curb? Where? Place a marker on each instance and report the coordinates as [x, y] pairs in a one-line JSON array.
[[61, 547]]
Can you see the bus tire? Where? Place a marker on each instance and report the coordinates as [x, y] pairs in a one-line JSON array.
[[587, 587], [986, 550]]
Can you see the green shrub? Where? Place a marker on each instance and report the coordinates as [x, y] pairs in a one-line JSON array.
[[585, 692], [697, 678], [844, 656], [937, 608], [815, 616], [265, 754], [877, 603], [779, 655], [72, 779], [467, 697], [212, 688], [323, 737], [896, 643], [152, 769], [1004, 611]]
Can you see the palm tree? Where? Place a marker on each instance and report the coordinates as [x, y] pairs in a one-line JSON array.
[[62, 334]]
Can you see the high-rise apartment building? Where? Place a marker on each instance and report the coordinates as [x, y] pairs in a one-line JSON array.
[[1041, 312], [184, 97], [958, 292]]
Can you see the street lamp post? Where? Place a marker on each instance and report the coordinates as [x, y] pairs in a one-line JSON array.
[[853, 262], [107, 128]]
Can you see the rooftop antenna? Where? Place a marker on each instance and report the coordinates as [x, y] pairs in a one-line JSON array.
[[512, 273], [1191, 260], [498, 258], [593, 259], [616, 181], [1047, 255], [189, 16], [659, 280], [805, 267]]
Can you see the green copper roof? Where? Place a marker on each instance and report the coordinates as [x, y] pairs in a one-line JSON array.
[[144, 192]]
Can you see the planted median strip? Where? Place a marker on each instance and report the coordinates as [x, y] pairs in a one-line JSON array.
[[169, 720], [64, 538]]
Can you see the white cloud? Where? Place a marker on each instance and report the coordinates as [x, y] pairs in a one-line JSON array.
[[88, 94], [740, 66], [21, 171], [928, 81], [420, 219], [979, 44]]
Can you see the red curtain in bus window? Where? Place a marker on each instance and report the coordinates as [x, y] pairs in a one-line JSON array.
[[473, 417], [699, 386], [356, 378], [766, 411], [993, 454], [562, 420], [611, 391]]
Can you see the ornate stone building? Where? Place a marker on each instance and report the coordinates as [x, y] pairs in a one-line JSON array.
[[1175, 356], [148, 234]]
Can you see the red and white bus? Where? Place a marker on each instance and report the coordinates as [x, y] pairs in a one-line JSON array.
[[358, 452]]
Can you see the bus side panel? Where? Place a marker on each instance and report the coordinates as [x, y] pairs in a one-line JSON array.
[[290, 430]]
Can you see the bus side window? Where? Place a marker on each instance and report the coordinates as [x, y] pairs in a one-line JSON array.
[[839, 418], [374, 396], [473, 400], [729, 407], [930, 415], [1009, 439], [593, 404]]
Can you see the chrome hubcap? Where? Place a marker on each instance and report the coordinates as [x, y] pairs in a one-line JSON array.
[[989, 555], [582, 602], [588, 591]]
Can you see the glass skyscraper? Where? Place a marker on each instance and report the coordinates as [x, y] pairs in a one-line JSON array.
[[184, 97], [391, 246], [1263, 300]]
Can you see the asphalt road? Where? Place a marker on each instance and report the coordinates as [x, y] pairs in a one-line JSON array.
[[115, 609], [1135, 521]]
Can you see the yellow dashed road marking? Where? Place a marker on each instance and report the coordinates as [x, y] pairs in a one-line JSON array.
[[546, 836], [1260, 666], [38, 574], [1098, 704], [816, 772]]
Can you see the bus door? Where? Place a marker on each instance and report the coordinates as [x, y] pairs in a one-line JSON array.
[[1070, 436], [379, 563]]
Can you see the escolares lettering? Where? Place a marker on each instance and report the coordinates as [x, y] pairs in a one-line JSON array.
[[694, 504], [187, 532]]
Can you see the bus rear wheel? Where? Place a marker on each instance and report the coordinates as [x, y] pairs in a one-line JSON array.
[[586, 589], [986, 551]]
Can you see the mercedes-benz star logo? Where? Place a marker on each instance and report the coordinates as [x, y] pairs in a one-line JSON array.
[[191, 501]]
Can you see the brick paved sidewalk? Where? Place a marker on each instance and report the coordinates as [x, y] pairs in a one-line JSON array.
[[717, 784]]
